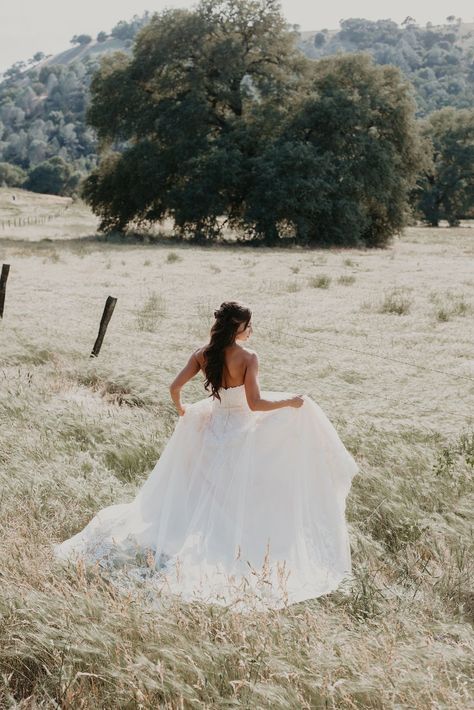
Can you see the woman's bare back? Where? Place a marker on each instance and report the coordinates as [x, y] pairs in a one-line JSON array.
[[236, 359]]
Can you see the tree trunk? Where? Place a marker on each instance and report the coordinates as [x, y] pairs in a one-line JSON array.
[[270, 232]]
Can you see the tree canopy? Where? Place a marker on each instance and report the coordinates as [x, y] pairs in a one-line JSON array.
[[52, 177], [11, 175], [446, 186], [217, 118]]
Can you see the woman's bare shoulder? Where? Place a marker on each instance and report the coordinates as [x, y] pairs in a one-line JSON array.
[[199, 354], [249, 354]]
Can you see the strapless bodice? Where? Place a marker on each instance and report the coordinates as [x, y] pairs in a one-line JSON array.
[[231, 398]]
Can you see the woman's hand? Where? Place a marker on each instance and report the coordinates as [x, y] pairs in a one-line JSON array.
[[296, 401], [182, 410]]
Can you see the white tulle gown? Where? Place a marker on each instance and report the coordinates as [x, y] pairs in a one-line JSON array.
[[243, 508]]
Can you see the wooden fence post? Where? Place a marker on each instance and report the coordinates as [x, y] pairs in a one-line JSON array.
[[3, 286], [104, 322]]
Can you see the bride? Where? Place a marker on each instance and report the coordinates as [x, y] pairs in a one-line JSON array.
[[246, 505]]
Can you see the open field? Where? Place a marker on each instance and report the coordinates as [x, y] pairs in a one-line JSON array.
[[78, 434], [30, 216]]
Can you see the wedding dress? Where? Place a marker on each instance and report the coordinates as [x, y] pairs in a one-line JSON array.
[[242, 505]]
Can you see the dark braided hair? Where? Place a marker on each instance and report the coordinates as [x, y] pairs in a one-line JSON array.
[[229, 317]]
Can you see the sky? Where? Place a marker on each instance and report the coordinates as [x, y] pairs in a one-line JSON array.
[[29, 26]]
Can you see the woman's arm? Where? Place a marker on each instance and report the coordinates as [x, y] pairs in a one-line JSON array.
[[191, 369], [252, 391]]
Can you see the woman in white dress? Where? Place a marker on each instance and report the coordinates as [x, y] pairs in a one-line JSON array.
[[246, 505]]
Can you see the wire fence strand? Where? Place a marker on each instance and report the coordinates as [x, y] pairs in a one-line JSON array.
[[377, 355], [395, 400]]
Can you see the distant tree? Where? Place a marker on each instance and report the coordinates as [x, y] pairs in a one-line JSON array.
[[15, 71], [446, 189], [102, 36], [52, 177], [16, 149], [37, 151], [38, 57], [26, 99], [363, 33], [127, 30], [81, 39], [319, 39], [123, 30], [11, 175]]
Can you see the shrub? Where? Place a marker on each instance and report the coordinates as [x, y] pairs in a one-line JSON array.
[[450, 304], [11, 175], [320, 281], [52, 177], [346, 279], [293, 286], [172, 257], [395, 301]]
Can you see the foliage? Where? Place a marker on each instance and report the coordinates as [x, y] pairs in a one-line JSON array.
[[52, 177], [127, 30], [342, 166], [222, 117], [11, 175], [44, 116], [446, 189], [435, 59]]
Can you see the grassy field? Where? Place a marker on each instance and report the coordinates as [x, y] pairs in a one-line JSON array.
[[77, 434]]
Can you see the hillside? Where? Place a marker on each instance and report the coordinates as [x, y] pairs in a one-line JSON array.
[[438, 60], [464, 35], [83, 52], [94, 49], [32, 217]]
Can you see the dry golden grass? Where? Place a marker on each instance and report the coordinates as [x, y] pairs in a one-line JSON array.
[[77, 434]]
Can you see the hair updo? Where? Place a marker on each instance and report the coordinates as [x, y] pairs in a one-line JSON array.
[[229, 316]]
